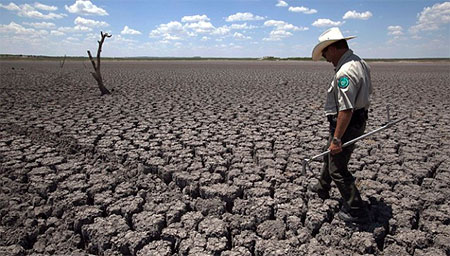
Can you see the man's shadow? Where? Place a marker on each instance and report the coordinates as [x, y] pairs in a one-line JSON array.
[[380, 214]]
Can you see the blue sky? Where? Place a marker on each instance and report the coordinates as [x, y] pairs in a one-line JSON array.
[[223, 28]]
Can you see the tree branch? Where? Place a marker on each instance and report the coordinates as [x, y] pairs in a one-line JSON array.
[[100, 44], [97, 75], [92, 60]]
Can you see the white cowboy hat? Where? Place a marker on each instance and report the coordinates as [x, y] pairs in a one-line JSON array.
[[326, 38]]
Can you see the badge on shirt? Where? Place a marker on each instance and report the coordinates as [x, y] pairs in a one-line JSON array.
[[343, 82]]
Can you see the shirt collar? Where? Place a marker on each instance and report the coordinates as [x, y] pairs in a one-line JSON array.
[[343, 59]]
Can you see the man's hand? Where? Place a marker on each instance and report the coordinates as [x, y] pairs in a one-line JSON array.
[[343, 120], [335, 148]]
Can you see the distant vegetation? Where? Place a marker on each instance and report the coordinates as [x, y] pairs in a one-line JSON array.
[[42, 57], [265, 58]]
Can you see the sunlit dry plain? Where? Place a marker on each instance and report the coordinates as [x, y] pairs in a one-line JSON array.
[[205, 158]]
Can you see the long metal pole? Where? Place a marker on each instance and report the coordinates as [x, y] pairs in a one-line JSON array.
[[306, 161]]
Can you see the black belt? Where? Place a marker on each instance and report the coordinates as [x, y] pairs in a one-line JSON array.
[[358, 116]]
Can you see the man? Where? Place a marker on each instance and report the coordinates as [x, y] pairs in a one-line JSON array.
[[346, 109]]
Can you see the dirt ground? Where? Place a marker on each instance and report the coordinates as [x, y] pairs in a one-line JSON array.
[[205, 158]]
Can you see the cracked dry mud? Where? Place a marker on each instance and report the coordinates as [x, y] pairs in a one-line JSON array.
[[204, 158]]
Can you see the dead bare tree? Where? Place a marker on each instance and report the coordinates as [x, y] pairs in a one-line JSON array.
[[61, 63], [97, 75], [61, 66]]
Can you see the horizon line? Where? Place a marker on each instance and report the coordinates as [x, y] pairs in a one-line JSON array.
[[37, 56]]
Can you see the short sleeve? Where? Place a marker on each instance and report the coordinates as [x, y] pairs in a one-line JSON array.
[[347, 91]]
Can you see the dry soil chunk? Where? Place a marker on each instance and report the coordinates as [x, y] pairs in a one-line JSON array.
[[212, 206], [237, 251], [394, 249], [260, 208], [363, 242], [193, 245], [217, 244], [99, 234], [126, 206], [191, 219], [223, 191], [273, 248], [175, 212], [85, 215], [130, 242], [213, 227], [160, 248], [149, 222], [275, 229]]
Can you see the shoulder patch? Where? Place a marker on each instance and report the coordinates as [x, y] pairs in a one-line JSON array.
[[343, 82]]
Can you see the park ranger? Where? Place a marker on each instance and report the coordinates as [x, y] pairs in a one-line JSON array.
[[346, 109]]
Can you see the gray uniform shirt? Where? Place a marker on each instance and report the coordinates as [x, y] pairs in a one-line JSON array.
[[351, 85]]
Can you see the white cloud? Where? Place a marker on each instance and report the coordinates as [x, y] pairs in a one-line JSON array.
[[240, 36], [302, 9], [194, 26], [28, 11], [40, 25], [242, 26], [10, 7], [75, 29], [16, 29], [274, 23], [326, 23], [282, 25], [243, 16], [56, 33], [90, 23], [81, 28], [195, 18], [281, 33], [169, 38], [221, 31], [129, 31], [45, 7], [357, 15], [277, 35], [281, 3], [200, 27], [395, 30], [395, 40], [85, 8], [70, 38], [170, 31], [39, 15], [227, 46], [119, 39], [432, 18], [281, 30]]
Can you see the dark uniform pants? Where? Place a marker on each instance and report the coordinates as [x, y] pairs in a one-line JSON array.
[[335, 166]]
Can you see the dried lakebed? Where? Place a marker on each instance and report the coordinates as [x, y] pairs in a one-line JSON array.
[[204, 158]]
